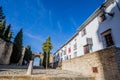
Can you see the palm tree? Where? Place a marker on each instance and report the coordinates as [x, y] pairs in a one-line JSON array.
[[47, 47]]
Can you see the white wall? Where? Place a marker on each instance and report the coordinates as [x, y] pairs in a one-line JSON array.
[[91, 32], [113, 23], [94, 30]]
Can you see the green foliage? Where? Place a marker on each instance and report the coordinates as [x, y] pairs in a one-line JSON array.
[[5, 32], [28, 54], [8, 33], [44, 59], [2, 22], [17, 47], [9, 36], [2, 17], [2, 27], [47, 47]]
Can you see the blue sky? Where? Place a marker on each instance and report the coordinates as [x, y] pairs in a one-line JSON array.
[[39, 19]]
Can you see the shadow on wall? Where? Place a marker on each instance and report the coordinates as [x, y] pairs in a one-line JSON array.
[[110, 63], [2, 67], [109, 26]]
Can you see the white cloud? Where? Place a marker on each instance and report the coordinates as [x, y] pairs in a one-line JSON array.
[[41, 9], [35, 41], [59, 26], [50, 18], [73, 22], [37, 6], [33, 36]]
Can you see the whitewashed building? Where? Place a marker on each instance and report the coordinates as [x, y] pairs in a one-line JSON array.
[[99, 31]]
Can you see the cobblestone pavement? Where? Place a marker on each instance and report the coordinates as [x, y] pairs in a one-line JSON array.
[[40, 72]]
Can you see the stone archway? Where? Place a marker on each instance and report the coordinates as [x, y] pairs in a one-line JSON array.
[[39, 55], [30, 67]]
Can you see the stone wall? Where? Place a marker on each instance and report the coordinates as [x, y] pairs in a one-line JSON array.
[[118, 58], [103, 64], [5, 51], [51, 60]]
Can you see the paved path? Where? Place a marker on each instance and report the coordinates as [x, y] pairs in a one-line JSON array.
[[55, 73], [40, 72], [13, 70]]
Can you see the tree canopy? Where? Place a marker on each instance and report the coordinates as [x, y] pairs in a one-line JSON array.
[[5, 32], [2, 17], [47, 47], [28, 54], [17, 47]]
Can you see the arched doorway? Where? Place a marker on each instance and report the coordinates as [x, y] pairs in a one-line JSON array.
[[36, 61], [38, 56]]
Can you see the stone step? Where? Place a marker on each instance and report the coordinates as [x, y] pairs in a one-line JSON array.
[[42, 78]]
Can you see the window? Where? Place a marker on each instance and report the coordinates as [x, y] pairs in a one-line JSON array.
[[75, 40], [75, 54], [75, 46], [61, 59], [95, 69], [108, 38], [89, 40], [69, 56], [69, 43], [83, 32], [58, 57], [64, 51], [66, 57], [86, 49], [61, 54], [69, 50]]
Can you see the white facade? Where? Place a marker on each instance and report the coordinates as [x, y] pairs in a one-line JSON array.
[[99, 31]]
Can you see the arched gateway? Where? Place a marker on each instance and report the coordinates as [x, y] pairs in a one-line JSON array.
[[39, 55]]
